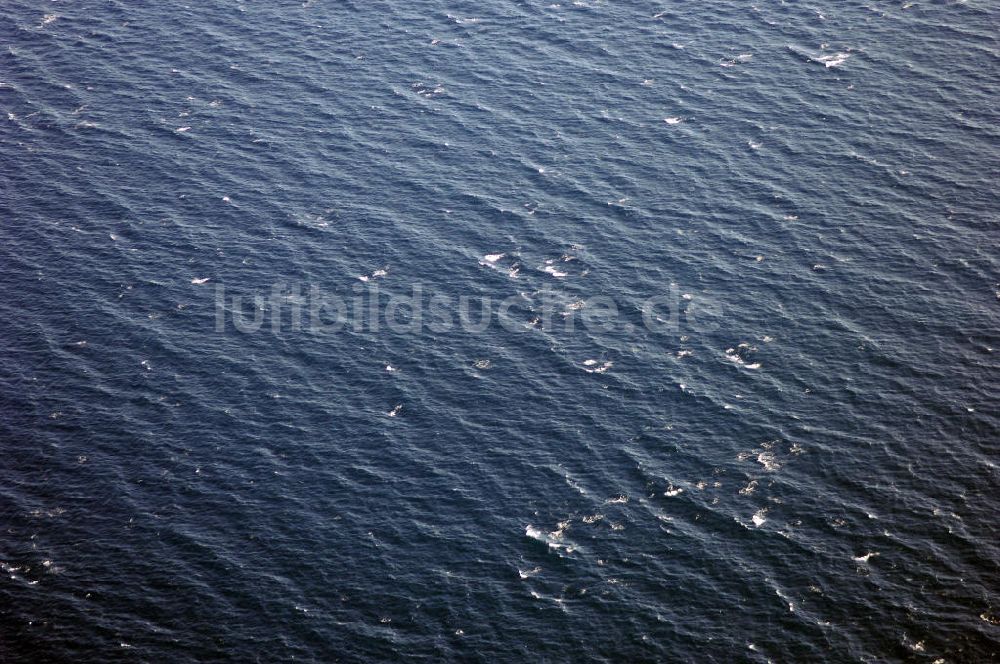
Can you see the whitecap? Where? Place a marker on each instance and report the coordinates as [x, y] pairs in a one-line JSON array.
[[739, 59], [828, 60], [554, 272], [552, 539], [374, 275], [834, 60], [769, 461]]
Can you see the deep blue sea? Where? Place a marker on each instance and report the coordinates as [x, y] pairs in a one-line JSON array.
[[520, 331]]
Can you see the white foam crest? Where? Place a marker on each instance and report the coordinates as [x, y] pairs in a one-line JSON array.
[[554, 272], [554, 539], [591, 366], [833, 60], [382, 272]]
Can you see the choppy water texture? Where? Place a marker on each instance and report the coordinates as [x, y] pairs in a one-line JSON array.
[[819, 177]]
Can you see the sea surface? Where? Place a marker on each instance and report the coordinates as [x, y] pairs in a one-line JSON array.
[[778, 443]]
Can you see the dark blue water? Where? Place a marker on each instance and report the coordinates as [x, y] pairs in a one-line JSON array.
[[789, 455]]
